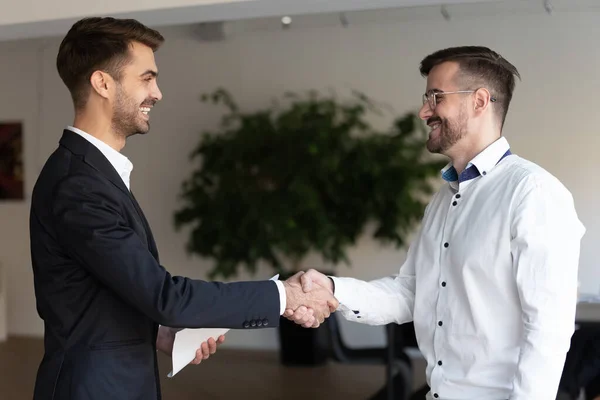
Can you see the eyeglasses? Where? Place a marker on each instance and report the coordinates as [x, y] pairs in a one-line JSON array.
[[431, 97]]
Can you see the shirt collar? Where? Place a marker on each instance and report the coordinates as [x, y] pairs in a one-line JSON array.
[[119, 162], [481, 164]]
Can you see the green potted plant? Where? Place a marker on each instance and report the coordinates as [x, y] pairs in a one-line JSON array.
[[305, 175]]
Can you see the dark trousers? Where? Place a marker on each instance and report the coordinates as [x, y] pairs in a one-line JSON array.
[[582, 365], [399, 388]]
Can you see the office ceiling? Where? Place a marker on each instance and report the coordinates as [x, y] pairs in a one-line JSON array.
[[53, 22]]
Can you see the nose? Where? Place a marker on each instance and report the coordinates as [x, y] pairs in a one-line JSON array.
[[425, 112], [156, 93]]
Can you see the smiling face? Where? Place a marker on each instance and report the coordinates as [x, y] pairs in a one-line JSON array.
[[136, 93], [449, 118]]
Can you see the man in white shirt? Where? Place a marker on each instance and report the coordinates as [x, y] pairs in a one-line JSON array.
[[491, 279]]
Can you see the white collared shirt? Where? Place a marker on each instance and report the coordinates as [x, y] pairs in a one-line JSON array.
[[119, 162], [490, 283], [124, 167]]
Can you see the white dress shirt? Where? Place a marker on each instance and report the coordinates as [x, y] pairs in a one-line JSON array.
[[490, 282], [119, 162], [123, 166]]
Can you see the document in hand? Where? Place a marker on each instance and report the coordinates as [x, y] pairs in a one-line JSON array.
[[187, 341]]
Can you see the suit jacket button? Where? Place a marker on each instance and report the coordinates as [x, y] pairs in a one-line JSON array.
[[265, 322], [246, 324], [253, 323]]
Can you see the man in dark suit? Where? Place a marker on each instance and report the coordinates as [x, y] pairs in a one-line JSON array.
[[107, 303]]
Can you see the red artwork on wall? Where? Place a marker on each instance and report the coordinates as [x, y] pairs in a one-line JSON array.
[[11, 160]]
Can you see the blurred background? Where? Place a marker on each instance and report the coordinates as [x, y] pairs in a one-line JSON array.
[[257, 51]]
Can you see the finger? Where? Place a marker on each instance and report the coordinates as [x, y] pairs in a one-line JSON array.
[[212, 346], [306, 282], [299, 313], [198, 359], [309, 322], [307, 319], [288, 313], [221, 339], [320, 318], [205, 350], [299, 318], [312, 324], [302, 309], [333, 304], [297, 275], [308, 316]]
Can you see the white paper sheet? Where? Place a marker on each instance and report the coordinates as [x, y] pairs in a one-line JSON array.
[[187, 341]]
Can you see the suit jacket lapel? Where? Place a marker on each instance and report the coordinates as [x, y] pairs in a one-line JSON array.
[[94, 157]]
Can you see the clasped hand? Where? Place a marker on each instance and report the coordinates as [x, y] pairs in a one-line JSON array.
[[310, 298]]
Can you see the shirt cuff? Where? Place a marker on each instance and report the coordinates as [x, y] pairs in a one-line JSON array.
[[342, 292], [282, 297]]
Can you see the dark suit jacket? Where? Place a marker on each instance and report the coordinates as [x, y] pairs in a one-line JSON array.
[[101, 290]]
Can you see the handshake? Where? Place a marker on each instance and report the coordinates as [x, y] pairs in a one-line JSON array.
[[309, 298]]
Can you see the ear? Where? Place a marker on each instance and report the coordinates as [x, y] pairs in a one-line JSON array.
[[102, 83], [482, 100]]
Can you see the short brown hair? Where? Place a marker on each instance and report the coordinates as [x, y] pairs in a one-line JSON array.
[[479, 66], [99, 43]]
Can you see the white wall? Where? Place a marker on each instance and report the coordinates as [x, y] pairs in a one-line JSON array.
[[20, 100], [551, 120]]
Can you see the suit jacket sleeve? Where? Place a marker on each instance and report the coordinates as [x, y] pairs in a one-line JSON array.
[[92, 227]]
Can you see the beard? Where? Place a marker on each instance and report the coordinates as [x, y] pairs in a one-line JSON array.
[[127, 118], [448, 133]]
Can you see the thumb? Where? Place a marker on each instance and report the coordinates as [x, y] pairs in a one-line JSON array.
[[333, 304], [296, 275], [307, 283]]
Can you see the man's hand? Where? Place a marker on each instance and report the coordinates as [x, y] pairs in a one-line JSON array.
[[206, 349], [313, 276], [309, 303], [166, 338]]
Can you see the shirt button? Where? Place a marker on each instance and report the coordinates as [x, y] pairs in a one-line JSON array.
[[454, 203], [484, 173], [457, 195], [443, 284], [440, 362], [446, 244], [436, 395], [440, 323]]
